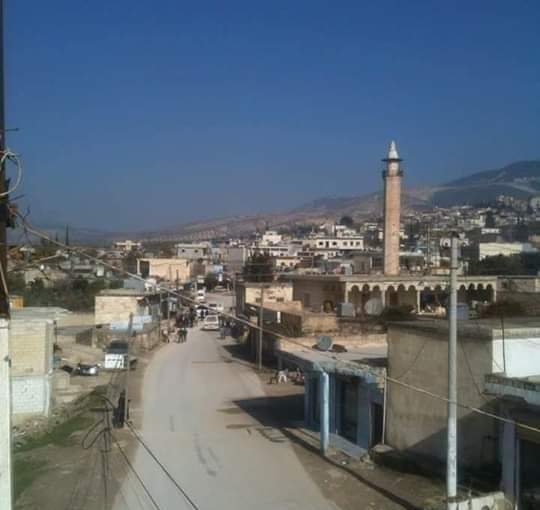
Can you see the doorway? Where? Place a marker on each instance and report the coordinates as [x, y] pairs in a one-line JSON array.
[[376, 424]]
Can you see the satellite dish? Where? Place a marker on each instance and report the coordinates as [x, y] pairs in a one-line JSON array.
[[324, 343], [374, 306]]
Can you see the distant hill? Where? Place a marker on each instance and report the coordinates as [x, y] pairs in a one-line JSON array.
[[520, 179]]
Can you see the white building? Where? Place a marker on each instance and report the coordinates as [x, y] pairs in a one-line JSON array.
[[193, 250], [345, 243], [271, 237], [127, 245], [494, 249]]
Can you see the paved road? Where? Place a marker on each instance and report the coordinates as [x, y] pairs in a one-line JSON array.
[[192, 419]]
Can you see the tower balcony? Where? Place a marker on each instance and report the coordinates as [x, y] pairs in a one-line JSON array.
[[398, 173]]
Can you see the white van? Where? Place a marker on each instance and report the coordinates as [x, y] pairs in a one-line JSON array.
[[211, 323], [200, 296]]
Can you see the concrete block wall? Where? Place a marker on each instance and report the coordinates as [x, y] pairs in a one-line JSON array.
[[31, 346], [31, 396], [115, 308]]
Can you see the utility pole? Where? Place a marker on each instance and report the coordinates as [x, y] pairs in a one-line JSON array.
[[129, 339], [160, 312], [6, 466], [261, 322], [451, 455]]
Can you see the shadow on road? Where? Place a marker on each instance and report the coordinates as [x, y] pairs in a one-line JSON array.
[[284, 413]]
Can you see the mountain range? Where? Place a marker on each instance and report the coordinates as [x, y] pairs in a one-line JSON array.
[[520, 179]]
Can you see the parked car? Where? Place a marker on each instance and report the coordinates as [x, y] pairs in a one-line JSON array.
[[116, 356], [215, 307], [211, 323], [86, 369]]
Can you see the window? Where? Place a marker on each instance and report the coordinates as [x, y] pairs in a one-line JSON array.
[[280, 300], [334, 243]]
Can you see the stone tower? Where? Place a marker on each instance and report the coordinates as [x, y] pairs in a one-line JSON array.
[[392, 206]]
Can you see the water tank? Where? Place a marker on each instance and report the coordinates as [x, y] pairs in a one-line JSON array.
[[345, 310], [324, 343]]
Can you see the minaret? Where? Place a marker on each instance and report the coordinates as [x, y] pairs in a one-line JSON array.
[[392, 205]]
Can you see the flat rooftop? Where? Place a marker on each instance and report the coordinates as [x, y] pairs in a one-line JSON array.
[[127, 292], [367, 361], [405, 278], [514, 327]]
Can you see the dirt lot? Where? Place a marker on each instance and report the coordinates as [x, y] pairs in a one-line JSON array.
[[76, 465]]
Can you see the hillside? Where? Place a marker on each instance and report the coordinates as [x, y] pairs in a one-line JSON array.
[[520, 179]]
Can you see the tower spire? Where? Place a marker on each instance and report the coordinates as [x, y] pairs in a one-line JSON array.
[[392, 151], [392, 176]]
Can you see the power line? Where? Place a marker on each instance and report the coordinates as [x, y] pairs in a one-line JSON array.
[[134, 471], [387, 378], [163, 468]]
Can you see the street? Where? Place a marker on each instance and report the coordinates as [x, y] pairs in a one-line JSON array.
[[220, 455]]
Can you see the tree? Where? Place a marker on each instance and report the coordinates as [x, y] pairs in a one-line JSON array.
[[498, 265], [210, 281], [259, 268], [346, 221], [490, 220]]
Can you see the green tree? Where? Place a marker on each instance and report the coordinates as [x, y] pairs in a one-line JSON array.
[[259, 268], [498, 265], [210, 281], [347, 221]]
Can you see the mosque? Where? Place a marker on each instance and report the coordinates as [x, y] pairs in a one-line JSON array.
[[392, 287]]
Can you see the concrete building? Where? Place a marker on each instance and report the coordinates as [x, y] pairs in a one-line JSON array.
[[519, 446], [324, 292], [343, 395], [342, 243], [165, 269], [32, 337], [193, 251], [127, 245], [271, 237], [418, 356], [249, 293], [235, 257], [115, 305], [506, 249], [392, 177]]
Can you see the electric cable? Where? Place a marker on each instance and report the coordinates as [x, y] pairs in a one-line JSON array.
[[14, 158], [387, 378], [163, 468], [134, 471]]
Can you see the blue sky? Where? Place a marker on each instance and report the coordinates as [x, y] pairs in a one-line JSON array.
[[137, 114]]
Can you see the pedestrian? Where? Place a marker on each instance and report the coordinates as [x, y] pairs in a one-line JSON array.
[[184, 335], [222, 332]]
